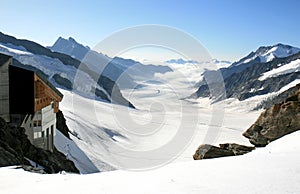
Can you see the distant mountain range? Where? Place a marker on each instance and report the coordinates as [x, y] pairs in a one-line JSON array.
[[268, 70], [125, 72], [181, 61], [219, 64]]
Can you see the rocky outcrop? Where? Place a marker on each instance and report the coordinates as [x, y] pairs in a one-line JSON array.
[[61, 124], [277, 121], [207, 151], [16, 149]]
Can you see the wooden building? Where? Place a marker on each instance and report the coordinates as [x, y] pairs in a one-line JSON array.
[[29, 100]]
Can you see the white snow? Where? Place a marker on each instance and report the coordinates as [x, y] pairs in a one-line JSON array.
[[14, 49], [282, 69], [105, 130], [255, 90], [274, 169], [278, 52]]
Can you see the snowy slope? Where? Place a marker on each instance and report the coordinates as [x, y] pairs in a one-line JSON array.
[[83, 85], [102, 131], [274, 169], [282, 69]]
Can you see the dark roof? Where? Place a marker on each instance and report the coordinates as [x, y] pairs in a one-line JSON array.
[[4, 58]]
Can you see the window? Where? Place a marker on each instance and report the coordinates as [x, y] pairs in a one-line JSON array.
[[37, 123], [37, 135]]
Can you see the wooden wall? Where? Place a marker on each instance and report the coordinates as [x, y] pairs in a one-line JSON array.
[[43, 95]]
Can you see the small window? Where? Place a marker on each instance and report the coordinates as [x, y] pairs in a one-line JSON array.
[[37, 135], [37, 123]]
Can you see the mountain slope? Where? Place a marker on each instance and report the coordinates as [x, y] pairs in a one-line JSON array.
[[261, 78], [124, 72], [261, 55], [62, 70]]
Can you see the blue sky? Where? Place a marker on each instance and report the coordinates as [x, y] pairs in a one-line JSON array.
[[228, 29]]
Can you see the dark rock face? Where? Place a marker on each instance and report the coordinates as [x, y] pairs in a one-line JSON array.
[[207, 151], [63, 81], [61, 124], [277, 121], [8, 155], [269, 102], [16, 149], [114, 92]]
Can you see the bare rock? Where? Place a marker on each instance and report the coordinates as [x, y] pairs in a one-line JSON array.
[[16, 149], [207, 151], [277, 121]]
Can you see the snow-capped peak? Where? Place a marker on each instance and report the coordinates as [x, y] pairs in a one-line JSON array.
[[268, 53]]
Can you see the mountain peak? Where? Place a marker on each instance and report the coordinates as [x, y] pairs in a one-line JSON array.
[[267, 53], [70, 47], [73, 40]]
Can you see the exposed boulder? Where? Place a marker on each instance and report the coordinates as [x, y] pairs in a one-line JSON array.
[[277, 121], [16, 149], [207, 151], [237, 149]]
